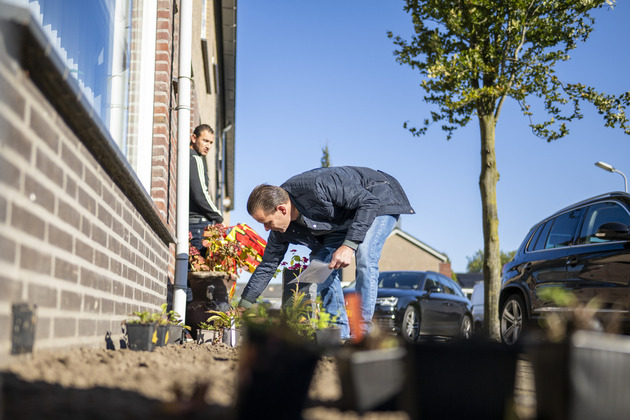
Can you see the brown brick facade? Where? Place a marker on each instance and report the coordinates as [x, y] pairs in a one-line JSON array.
[[80, 237], [164, 156], [72, 240]]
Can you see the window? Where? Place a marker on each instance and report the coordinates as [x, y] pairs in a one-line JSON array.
[[92, 39], [430, 283], [448, 288], [532, 241], [456, 289], [542, 237], [401, 280], [597, 215], [563, 229]]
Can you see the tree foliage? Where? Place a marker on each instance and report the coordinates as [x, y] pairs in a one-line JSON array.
[[325, 157], [473, 54], [475, 263]]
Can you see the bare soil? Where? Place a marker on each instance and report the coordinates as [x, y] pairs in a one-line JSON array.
[[177, 381], [188, 381]]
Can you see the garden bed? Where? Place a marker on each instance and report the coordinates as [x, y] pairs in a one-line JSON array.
[[187, 381]]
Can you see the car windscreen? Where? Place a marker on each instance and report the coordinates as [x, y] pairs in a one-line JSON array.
[[399, 280]]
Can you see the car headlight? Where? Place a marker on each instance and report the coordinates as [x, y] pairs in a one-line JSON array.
[[387, 301]]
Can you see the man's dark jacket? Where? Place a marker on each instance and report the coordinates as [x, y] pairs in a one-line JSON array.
[[344, 198], [200, 203]]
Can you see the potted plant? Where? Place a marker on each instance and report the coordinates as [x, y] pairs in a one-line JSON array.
[[579, 362], [279, 357], [327, 334], [212, 277], [141, 331], [169, 328], [207, 333], [297, 314], [228, 323], [290, 271], [371, 373], [486, 368]]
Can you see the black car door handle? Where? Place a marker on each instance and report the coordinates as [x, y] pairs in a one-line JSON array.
[[528, 267], [572, 262]]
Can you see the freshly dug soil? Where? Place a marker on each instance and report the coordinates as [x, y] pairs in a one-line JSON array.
[[190, 381]]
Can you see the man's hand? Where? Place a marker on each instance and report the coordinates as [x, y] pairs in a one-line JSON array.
[[341, 257], [238, 311]]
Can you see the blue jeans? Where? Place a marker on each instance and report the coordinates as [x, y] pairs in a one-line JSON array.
[[196, 229], [367, 256]]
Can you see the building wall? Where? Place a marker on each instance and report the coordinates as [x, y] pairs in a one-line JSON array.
[[70, 241], [80, 237], [164, 156], [400, 254], [204, 55], [76, 240]]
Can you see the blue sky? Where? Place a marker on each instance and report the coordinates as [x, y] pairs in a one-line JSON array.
[[311, 74]]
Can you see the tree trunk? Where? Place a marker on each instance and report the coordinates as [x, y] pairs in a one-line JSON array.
[[491, 249]]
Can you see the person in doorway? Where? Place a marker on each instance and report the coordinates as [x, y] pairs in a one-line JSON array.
[[202, 210], [338, 213]]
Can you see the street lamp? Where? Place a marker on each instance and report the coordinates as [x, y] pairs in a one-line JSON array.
[[609, 168]]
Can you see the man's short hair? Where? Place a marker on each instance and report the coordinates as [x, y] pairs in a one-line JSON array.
[[267, 198], [202, 127]]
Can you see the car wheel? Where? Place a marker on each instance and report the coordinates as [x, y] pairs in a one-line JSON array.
[[466, 329], [513, 319], [411, 325]]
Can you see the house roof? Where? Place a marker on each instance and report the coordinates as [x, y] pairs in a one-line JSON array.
[[419, 244], [468, 280]]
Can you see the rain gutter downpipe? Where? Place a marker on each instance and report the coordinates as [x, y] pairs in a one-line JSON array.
[[183, 158]]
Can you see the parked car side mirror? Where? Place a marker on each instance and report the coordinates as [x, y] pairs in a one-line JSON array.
[[435, 289], [613, 230]]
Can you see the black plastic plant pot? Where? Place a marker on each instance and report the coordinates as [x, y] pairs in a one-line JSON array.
[[583, 377], [551, 378], [175, 334], [142, 337], [483, 372], [328, 338], [275, 374], [24, 325], [371, 380], [162, 333]]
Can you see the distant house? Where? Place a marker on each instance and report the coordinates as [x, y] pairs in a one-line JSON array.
[[404, 252], [468, 281]]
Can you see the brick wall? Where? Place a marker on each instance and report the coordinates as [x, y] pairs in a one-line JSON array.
[[72, 241], [164, 157]]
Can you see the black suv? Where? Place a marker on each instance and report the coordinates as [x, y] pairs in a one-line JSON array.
[[583, 248]]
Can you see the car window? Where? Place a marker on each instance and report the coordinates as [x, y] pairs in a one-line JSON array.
[[448, 288], [456, 289], [532, 242], [542, 237], [430, 282], [399, 280], [597, 215], [563, 229]]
